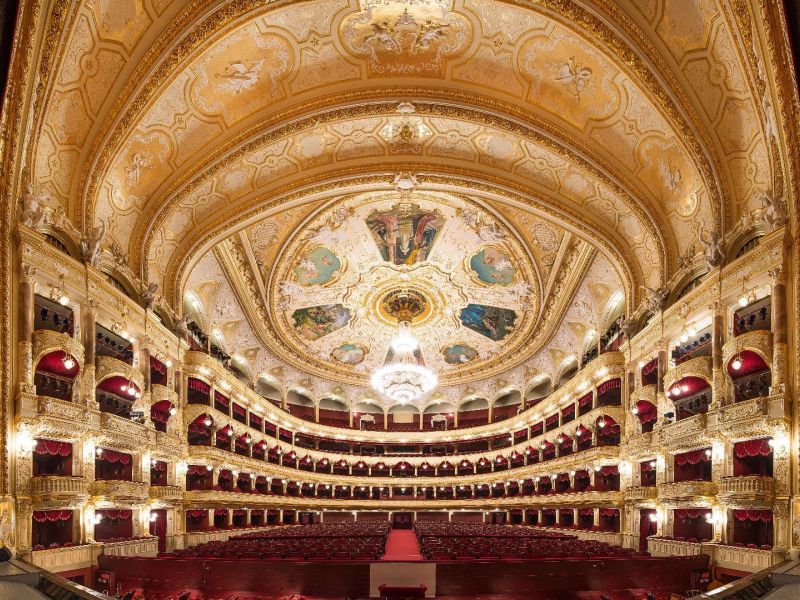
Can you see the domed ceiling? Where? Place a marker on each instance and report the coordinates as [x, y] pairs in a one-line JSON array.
[[279, 169]]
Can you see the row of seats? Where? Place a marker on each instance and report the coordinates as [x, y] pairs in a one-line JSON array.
[[465, 541], [328, 541]]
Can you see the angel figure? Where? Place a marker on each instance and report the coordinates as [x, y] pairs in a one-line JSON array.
[[574, 77], [149, 295], [773, 214], [491, 233], [655, 299], [181, 328], [30, 211], [91, 249], [239, 76], [627, 326], [713, 248]]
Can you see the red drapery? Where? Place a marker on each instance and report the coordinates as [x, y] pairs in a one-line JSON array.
[[273, 513], [157, 365], [646, 411], [548, 511], [537, 429], [221, 399], [113, 456], [584, 474], [238, 512], [649, 367], [609, 512], [197, 470], [52, 447], [225, 474], [159, 466], [585, 400], [200, 386], [691, 513], [609, 429], [114, 514], [585, 512], [196, 514], [161, 417], [568, 410], [752, 448], [257, 513], [562, 477], [606, 471], [256, 419], [692, 458], [753, 515], [40, 516], [199, 428], [220, 512], [609, 385], [239, 410], [648, 466], [552, 419]]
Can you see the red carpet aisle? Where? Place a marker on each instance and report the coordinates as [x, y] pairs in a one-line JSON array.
[[402, 545]]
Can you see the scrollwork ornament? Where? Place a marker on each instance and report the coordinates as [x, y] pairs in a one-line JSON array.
[[27, 273]]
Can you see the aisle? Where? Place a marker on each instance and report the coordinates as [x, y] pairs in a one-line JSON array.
[[402, 545]]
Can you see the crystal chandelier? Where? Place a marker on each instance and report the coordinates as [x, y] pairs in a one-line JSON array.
[[404, 380]]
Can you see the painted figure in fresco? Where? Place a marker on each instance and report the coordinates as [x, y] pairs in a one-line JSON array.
[[490, 321], [316, 321], [404, 238]]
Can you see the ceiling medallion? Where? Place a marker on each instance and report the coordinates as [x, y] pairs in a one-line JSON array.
[[404, 379]]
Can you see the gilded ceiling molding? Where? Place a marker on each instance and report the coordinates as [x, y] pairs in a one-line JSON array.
[[569, 12], [206, 236], [242, 145]]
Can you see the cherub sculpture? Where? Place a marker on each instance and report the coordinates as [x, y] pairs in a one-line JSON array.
[[713, 249], [149, 295], [773, 213], [91, 246], [655, 299], [30, 212], [181, 328]]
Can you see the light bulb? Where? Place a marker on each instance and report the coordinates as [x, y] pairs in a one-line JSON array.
[[124, 387], [99, 451], [601, 424], [654, 518], [68, 362], [737, 363], [635, 410], [771, 443], [168, 363], [641, 364], [229, 433], [692, 330], [684, 388], [207, 422], [743, 301], [684, 337], [131, 390], [63, 300], [173, 411], [208, 467], [667, 393], [132, 339], [152, 518]]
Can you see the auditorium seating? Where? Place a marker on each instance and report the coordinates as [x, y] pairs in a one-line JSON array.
[[442, 540], [324, 541]]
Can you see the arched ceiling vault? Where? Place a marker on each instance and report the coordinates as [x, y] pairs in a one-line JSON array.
[[604, 132]]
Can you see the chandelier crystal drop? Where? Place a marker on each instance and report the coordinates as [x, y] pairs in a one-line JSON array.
[[404, 380]]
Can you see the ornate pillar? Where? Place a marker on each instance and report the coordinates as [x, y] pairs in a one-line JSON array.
[[316, 413], [491, 412], [718, 384], [25, 346], [779, 329], [455, 418]]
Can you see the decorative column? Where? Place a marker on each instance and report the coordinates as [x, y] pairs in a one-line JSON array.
[[718, 384], [25, 346], [491, 412], [455, 418], [663, 404], [779, 329], [316, 412]]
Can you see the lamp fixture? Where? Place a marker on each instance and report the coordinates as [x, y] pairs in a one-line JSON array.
[[173, 411], [68, 361], [748, 296], [404, 380]]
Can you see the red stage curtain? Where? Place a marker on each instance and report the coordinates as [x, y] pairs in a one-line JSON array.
[[40, 516], [752, 448], [52, 447], [692, 458], [753, 515]]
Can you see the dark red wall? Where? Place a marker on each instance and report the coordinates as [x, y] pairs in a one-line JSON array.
[[532, 580]]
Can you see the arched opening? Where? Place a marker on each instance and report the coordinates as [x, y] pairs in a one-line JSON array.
[[473, 413], [199, 431], [368, 416], [266, 390], [755, 316], [541, 389], [300, 405], [334, 413], [608, 431], [160, 414], [507, 406], [647, 415], [691, 396], [438, 417], [117, 395], [55, 375], [108, 343], [404, 418], [570, 370]]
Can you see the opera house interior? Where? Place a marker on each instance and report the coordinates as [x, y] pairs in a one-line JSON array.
[[338, 299]]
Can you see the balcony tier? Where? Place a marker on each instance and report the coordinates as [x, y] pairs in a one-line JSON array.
[[166, 492], [747, 489], [122, 492], [759, 341], [58, 560], [59, 489], [111, 367], [696, 367], [687, 490], [46, 341], [641, 493]]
